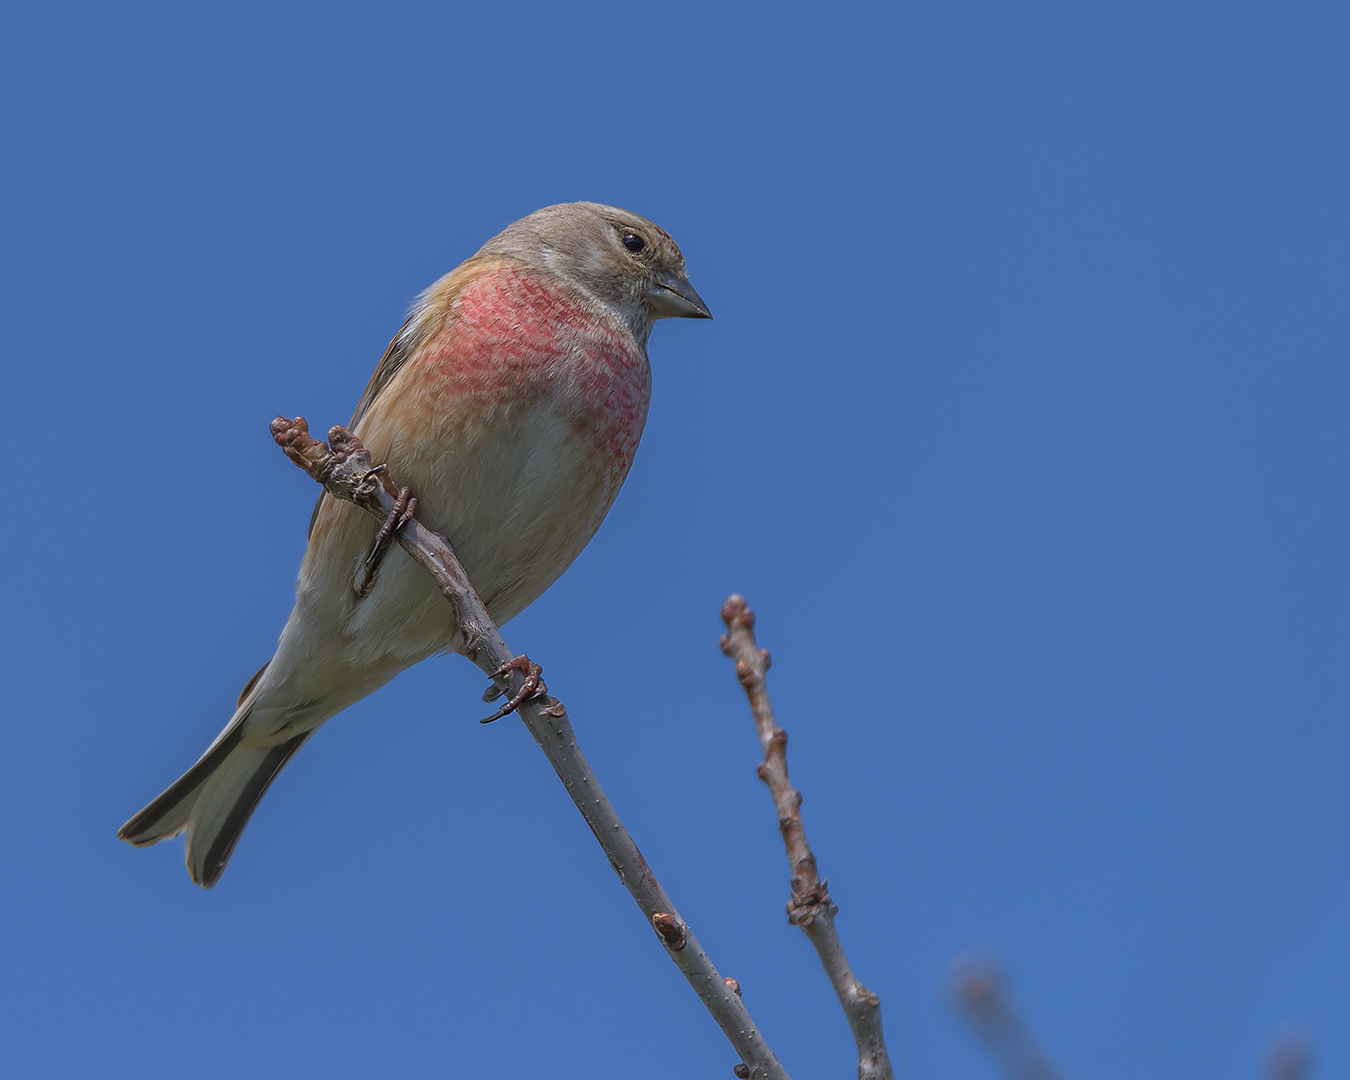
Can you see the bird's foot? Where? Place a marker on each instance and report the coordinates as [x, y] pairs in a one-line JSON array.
[[402, 513], [532, 688]]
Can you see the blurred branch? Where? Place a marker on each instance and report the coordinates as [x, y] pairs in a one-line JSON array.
[[1290, 1058], [344, 468], [810, 907], [983, 998]]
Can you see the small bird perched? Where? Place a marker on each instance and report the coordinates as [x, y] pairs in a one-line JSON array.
[[511, 404]]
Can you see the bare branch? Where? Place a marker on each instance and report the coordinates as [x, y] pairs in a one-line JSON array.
[[810, 907], [344, 468], [983, 999]]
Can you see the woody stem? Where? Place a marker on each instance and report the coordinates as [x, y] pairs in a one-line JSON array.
[[343, 466], [810, 906]]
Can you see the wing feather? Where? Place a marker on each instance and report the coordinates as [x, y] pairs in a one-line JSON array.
[[395, 356], [428, 317]]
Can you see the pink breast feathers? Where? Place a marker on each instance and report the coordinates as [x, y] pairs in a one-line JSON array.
[[520, 335]]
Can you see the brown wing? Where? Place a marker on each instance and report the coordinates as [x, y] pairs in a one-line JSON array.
[[432, 309], [393, 359]]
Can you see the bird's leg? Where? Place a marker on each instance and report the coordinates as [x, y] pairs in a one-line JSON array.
[[532, 688], [404, 508]]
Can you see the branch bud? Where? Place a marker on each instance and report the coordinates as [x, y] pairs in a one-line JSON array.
[[736, 612], [670, 930]]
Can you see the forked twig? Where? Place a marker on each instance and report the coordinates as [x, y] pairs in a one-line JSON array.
[[344, 468], [810, 907]]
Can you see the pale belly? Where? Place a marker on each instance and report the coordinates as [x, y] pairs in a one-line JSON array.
[[518, 499]]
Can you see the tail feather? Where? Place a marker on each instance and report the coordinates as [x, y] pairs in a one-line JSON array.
[[226, 802], [214, 799], [168, 815]]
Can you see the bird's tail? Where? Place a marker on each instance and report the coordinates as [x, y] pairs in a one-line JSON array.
[[214, 799]]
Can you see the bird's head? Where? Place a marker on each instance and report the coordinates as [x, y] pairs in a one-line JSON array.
[[629, 264]]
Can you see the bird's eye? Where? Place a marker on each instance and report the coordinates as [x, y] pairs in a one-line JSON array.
[[634, 243]]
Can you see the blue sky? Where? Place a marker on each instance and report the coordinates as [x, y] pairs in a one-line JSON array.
[[1021, 423]]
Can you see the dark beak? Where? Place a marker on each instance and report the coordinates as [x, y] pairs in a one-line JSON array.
[[672, 297]]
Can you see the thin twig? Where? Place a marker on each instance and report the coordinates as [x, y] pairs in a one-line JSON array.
[[344, 468], [983, 998], [810, 907]]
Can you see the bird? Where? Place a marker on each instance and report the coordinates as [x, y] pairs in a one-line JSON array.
[[510, 404]]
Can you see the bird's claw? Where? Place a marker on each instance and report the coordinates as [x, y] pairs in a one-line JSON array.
[[532, 688], [405, 505]]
